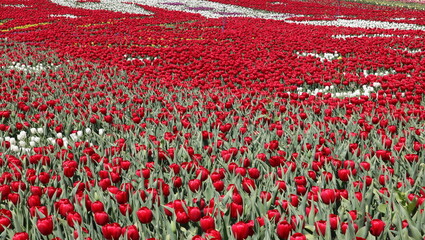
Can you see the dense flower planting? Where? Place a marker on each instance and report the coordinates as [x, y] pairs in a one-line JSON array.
[[181, 125]]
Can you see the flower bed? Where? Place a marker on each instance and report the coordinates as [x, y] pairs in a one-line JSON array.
[[175, 125]]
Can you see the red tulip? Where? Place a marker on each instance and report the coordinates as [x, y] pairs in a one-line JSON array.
[[125, 208], [195, 185], [38, 211], [33, 201], [207, 223], [111, 231], [283, 230], [72, 218], [144, 215], [377, 226], [328, 196], [45, 225], [182, 217], [5, 222], [320, 227], [240, 230], [21, 236], [235, 210], [121, 197], [194, 214], [298, 236], [345, 226], [101, 218], [131, 231], [97, 206], [334, 221], [274, 214], [248, 184]]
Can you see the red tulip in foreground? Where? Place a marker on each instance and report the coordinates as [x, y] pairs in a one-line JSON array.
[[320, 227], [207, 223], [45, 225], [328, 196], [132, 232], [144, 215], [298, 236], [101, 218], [240, 230], [111, 231], [283, 230], [377, 226], [21, 236]]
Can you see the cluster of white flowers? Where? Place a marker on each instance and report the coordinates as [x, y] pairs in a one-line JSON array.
[[205, 8], [363, 91], [367, 36], [360, 23], [38, 68], [26, 141], [128, 58], [63, 15], [409, 50], [321, 56], [111, 5], [380, 73], [14, 5], [396, 19]]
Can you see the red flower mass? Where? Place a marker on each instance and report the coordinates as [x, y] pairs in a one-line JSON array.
[[212, 128]]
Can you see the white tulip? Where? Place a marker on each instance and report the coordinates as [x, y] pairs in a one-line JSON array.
[[73, 136], [14, 148], [33, 130]]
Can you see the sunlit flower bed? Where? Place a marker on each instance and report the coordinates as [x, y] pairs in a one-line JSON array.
[[174, 120]]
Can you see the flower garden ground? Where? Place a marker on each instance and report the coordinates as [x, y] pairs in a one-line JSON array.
[[217, 125]]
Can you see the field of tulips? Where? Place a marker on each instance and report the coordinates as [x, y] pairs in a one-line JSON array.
[[174, 120]]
